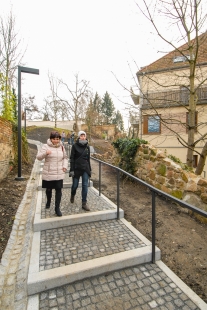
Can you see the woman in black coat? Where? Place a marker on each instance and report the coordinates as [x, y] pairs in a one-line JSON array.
[[80, 167]]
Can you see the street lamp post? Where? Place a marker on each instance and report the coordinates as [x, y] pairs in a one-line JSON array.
[[20, 70], [25, 119]]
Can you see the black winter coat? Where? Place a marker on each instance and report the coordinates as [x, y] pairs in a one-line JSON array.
[[80, 159]]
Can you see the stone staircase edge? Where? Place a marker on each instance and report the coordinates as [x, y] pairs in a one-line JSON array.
[[69, 220], [48, 279]]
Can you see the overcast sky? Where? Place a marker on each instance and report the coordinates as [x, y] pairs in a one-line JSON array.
[[91, 37]]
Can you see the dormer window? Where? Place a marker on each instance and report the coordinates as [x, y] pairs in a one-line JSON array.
[[180, 59]]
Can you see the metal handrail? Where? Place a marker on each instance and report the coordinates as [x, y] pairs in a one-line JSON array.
[[154, 192]]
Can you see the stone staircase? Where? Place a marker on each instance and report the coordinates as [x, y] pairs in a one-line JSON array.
[[90, 260], [81, 244]]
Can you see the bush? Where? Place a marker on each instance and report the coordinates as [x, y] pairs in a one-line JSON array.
[[127, 149]]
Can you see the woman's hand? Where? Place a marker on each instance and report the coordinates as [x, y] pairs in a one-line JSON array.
[[48, 152], [64, 169]]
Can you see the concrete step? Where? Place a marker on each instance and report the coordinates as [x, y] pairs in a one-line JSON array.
[[101, 208], [81, 244], [71, 253], [75, 219]]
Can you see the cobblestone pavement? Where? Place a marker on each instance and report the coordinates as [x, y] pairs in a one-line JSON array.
[[78, 243], [142, 287], [97, 203]]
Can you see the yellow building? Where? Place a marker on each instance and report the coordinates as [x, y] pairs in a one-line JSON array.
[[164, 99]]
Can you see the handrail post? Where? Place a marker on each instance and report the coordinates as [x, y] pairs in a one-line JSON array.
[[117, 198], [99, 178], [153, 227]]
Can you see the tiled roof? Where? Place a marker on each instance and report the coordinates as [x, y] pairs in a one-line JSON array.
[[168, 61]]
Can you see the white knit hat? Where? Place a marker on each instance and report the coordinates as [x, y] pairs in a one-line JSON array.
[[81, 133]]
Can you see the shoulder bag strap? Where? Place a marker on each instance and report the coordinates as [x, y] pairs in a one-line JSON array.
[[81, 154]]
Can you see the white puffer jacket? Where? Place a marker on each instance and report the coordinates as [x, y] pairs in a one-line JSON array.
[[54, 162]]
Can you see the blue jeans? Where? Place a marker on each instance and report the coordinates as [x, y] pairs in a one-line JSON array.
[[74, 187]]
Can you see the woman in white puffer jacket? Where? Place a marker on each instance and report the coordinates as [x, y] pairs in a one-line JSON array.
[[55, 166]]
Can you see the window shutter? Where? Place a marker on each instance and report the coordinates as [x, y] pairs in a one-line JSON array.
[[145, 124]]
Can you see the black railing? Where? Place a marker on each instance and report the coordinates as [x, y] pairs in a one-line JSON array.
[[154, 192]]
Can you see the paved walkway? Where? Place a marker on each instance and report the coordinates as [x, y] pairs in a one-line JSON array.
[[83, 260]]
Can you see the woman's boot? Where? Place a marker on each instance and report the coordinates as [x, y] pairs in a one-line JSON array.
[[85, 207], [57, 211], [49, 196], [72, 197], [58, 195]]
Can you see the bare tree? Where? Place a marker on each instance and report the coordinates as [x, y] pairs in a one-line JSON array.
[[46, 111], [53, 106], [28, 103], [79, 96], [188, 17], [10, 58], [11, 55]]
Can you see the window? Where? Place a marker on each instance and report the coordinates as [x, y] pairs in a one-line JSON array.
[[182, 58], [151, 124], [187, 121]]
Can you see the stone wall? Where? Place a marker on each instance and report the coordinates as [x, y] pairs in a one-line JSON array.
[[156, 169], [6, 147]]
